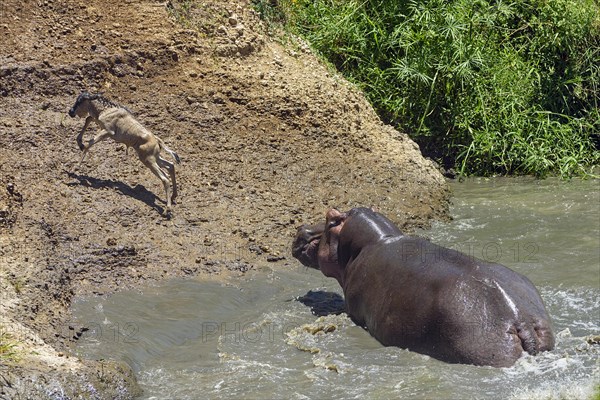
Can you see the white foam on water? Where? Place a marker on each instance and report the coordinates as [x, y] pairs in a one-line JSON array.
[[572, 369], [575, 308], [568, 389]]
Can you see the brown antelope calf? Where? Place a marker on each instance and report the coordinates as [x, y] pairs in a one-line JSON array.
[[118, 123]]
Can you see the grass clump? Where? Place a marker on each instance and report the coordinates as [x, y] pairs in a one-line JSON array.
[[8, 348], [484, 86], [203, 17]]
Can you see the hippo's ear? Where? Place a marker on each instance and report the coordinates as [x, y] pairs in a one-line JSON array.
[[331, 210], [375, 209]]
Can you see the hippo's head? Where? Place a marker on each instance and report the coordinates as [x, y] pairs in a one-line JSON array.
[[324, 247], [316, 246], [306, 244]]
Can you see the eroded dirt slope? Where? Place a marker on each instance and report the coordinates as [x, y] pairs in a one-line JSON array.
[[268, 138]]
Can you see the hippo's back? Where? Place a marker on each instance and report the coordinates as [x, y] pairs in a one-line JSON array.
[[415, 294], [492, 315]]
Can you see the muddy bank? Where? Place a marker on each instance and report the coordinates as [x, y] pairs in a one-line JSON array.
[[268, 137]]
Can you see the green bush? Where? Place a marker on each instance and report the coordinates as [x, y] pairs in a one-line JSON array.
[[487, 87]]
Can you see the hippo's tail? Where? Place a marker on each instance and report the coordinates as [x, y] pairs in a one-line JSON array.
[[536, 337]]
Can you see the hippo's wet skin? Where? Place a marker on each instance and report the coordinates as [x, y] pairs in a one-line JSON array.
[[411, 293]]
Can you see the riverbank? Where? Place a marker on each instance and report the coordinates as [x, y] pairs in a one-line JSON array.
[[268, 137]]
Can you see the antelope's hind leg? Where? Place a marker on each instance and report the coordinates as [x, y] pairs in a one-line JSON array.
[[151, 162], [171, 168]]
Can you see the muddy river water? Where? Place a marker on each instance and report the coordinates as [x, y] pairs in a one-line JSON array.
[[251, 338]]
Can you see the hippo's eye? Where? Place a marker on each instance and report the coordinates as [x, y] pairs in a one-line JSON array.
[[334, 223]]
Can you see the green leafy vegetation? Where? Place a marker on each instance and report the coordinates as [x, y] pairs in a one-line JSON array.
[[484, 86]]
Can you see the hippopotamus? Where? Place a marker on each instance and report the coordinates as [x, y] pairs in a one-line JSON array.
[[411, 293]]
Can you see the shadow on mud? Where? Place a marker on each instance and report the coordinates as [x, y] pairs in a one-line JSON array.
[[139, 192], [323, 303]]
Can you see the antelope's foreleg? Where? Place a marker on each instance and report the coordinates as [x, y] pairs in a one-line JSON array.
[[98, 138], [88, 120]]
